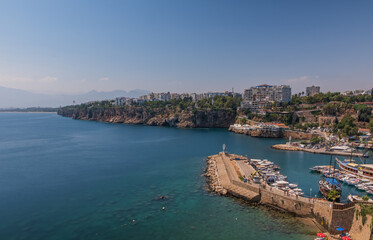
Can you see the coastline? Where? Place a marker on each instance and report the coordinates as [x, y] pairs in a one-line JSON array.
[[158, 117], [24, 112]]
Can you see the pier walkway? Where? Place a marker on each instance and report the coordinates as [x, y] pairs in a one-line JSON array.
[[228, 179], [288, 147]]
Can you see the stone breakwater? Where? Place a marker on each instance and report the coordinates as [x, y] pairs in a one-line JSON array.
[[286, 147], [154, 117], [212, 177]]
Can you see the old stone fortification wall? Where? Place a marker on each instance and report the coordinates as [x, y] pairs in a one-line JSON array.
[[342, 217], [322, 211], [299, 135], [333, 215], [274, 197], [358, 229], [246, 186]]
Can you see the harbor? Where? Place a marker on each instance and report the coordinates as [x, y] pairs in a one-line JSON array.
[[261, 182], [323, 150], [350, 173]]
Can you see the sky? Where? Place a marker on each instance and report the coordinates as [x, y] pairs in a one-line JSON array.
[[74, 46]]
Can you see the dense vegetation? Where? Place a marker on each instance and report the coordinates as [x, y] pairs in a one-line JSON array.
[[364, 112], [347, 126], [370, 126], [285, 118], [215, 103], [329, 97]]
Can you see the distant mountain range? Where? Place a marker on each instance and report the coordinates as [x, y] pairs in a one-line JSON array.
[[16, 98]]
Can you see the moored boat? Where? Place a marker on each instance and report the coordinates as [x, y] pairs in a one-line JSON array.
[[358, 170], [328, 184]]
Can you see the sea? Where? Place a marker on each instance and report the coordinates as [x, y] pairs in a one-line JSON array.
[[63, 179]]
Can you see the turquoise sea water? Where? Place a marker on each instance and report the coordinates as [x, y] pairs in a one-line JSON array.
[[68, 179]]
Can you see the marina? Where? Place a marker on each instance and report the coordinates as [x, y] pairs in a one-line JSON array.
[[261, 182], [270, 173], [350, 173], [323, 150]]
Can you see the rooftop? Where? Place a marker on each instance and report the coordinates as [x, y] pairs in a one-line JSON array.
[[367, 165]]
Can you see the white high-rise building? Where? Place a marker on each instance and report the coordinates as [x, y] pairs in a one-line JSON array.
[[262, 96]]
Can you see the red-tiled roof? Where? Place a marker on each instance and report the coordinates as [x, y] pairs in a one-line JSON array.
[[363, 130]]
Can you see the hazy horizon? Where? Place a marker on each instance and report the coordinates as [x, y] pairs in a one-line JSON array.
[[71, 47]]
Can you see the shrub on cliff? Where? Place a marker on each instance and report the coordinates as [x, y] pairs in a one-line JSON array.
[[364, 112], [370, 126], [347, 126]]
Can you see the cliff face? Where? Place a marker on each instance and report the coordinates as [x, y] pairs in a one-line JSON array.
[[157, 117]]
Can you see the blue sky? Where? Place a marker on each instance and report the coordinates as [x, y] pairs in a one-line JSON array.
[[185, 46]]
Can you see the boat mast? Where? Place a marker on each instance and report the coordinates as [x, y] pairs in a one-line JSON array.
[[330, 164], [334, 165], [351, 156]]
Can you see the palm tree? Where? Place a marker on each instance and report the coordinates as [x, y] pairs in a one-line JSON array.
[[365, 198], [333, 195]]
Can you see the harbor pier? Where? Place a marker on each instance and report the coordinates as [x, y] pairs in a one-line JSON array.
[[288, 147], [229, 174]]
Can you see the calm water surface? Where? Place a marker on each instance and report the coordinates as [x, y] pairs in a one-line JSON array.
[[68, 179]]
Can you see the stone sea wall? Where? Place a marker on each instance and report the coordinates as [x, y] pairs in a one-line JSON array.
[[299, 135], [298, 206], [154, 117]]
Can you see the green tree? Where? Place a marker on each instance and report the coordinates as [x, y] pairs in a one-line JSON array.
[[315, 140], [364, 112], [347, 126], [370, 126], [333, 195], [331, 109]]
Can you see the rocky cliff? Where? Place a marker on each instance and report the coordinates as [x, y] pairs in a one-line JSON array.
[[154, 117]]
